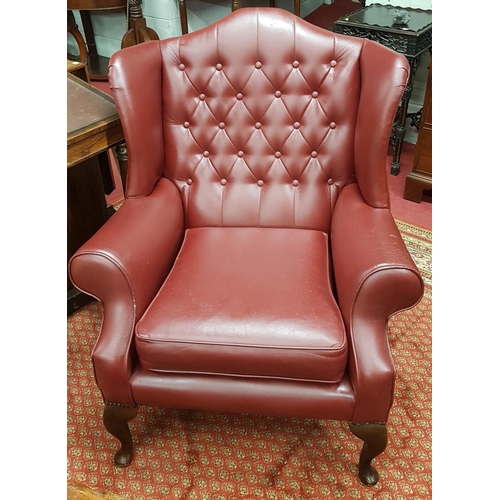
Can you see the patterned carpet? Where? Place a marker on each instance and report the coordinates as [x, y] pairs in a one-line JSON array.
[[196, 455]]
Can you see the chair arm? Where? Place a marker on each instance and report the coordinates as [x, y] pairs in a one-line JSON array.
[[375, 277], [123, 265]]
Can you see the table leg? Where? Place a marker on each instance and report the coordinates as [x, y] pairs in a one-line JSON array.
[[399, 128], [183, 14], [296, 7], [86, 213], [121, 155]]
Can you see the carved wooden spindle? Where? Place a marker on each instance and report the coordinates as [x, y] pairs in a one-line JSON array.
[[138, 32]]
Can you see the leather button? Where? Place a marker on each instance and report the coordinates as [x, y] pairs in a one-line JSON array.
[[314, 154], [296, 125], [258, 65], [295, 64], [202, 97], [333, 125], [314, 94], [260, 183], [330, 181], [277, 93], [189, 182], [258, 125], [239, 97], [206, 154], [295, 182], [240, 154], [186, 124], [218, 67], [333, 64], [223, 182], [222, 125], [182, 67], [277, 154]]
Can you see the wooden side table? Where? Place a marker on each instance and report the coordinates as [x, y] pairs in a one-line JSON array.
[[93, 126], [375, 22], [420, 178]]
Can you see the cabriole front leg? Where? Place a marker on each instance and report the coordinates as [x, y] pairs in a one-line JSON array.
[[116, 418], [375, 442]]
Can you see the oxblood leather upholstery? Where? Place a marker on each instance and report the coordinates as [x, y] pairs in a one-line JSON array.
[[254, 263]]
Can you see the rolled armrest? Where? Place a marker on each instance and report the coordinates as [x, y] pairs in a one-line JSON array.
[[123, 265], [375, 277]]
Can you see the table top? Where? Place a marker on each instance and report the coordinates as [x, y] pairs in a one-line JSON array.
[[93, 124], [86, 107], [95, 4], [380, 16], [74, 65]]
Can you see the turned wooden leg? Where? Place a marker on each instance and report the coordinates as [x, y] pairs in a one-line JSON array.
[[116, 420], [375, 441], [122, 157]]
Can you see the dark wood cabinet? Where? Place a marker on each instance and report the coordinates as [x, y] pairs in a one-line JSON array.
[[420, 178]]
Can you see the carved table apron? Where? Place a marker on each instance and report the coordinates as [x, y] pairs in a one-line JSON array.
[[375, 22]]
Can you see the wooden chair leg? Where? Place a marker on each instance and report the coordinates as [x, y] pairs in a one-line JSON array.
[[296, 7], [116, 420], [375, 442]]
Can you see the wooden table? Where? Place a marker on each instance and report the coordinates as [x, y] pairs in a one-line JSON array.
[[93, 126], [375, 22]]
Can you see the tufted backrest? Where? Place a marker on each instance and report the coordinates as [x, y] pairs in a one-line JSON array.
[[256, 119]]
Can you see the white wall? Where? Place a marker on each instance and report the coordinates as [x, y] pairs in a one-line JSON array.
[[163, 17], [414, 4]]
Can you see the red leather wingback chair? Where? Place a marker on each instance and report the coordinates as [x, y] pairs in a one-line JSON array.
[[254, 263]]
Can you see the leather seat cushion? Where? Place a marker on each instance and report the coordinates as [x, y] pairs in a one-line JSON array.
[[251, 302]]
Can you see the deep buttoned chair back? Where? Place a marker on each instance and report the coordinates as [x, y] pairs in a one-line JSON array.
[[259, 120]]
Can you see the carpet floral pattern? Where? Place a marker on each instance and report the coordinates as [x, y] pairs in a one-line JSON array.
[[200, 455]]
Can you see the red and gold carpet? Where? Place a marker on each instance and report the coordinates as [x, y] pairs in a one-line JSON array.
[[197, 455]]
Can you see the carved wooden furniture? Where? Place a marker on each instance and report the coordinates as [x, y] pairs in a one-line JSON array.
[[93, 128], [255, 262], [235, 5], [83, 54], [420, 178], [137, 31], [375, 23], [96, 63]]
